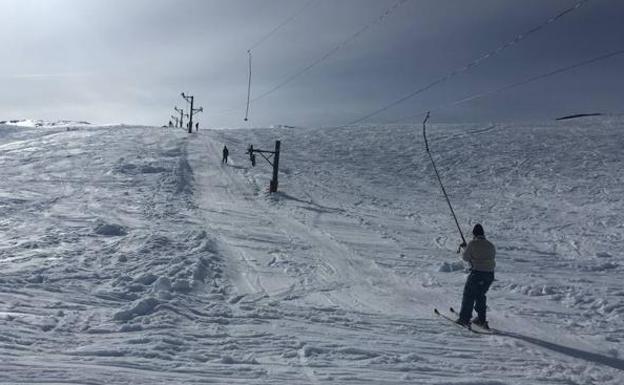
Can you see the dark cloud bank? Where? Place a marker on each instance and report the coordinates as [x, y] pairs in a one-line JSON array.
[[111, 61]]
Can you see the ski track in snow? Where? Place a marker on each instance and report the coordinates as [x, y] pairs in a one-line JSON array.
[[131, 255]]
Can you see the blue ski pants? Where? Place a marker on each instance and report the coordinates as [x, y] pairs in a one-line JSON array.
[[477, 285]]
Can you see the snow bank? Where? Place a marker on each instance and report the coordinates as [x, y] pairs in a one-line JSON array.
[[140, 308]]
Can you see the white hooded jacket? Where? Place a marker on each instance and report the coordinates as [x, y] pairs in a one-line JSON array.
[[480, 253]]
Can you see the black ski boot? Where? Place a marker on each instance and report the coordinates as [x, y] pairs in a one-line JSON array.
[[463, 323], [481, 323]]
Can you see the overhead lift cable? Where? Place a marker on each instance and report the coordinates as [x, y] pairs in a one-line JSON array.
[[518, 38], [539, 77], [265, 38], [281, 25], [332, 51], [531, 79]]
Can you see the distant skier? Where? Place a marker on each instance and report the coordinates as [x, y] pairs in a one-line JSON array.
[[197, 127], [480, 253], [226, 153], [170, 124]]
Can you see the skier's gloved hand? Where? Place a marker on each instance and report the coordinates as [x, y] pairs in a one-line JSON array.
[[463, 245]]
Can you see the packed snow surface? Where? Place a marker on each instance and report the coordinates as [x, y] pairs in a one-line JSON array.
[[132, 255]]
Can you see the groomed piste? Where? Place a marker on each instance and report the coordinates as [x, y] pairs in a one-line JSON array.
[[133, 255]]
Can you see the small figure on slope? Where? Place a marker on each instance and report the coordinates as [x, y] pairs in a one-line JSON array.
[[480, 253], [226, 153]]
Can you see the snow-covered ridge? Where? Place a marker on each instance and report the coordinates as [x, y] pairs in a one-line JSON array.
[[43, 123]]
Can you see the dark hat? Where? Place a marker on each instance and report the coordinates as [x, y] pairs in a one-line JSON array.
[[477, 230]]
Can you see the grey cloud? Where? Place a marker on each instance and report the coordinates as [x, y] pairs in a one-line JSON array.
[[88, 58]]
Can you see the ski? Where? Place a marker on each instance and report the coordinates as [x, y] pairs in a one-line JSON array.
[[444, 316]]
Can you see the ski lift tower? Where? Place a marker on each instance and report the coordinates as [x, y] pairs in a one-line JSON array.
[[181, 120], [191, 99]]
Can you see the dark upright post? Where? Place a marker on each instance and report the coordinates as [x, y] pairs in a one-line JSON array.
[[274, 183], [191, 117]]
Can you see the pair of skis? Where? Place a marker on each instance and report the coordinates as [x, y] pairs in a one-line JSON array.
[[476, 329]]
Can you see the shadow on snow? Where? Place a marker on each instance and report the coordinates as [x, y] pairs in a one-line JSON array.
[[572, 352]]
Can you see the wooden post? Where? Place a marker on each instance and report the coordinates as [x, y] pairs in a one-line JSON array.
[[190, 123], [274, 182], [275, 162], [191, 99]]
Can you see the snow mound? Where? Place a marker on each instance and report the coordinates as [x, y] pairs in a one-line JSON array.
[[142, 307], [449, 267], [110, 229]]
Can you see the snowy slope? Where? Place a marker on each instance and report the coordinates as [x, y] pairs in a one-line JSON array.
[[132, 255]]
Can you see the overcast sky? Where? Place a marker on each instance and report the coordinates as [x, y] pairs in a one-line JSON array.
[[114, 61]]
